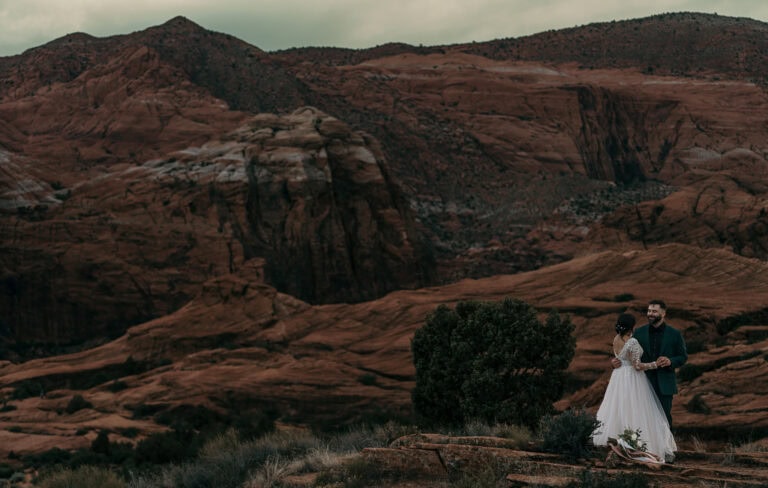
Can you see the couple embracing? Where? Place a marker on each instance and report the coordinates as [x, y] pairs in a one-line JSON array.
[[639, 393]]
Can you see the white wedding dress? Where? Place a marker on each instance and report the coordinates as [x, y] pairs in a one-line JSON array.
[[630, 403]]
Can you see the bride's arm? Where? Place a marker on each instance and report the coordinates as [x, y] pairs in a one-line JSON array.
[[635, 352]]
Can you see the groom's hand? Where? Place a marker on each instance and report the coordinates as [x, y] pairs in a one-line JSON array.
[[663, 362], [615, 363]]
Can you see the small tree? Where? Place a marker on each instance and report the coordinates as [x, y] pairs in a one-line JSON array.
[[493, 361]]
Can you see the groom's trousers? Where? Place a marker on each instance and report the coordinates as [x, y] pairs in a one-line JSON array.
[[665, 400]]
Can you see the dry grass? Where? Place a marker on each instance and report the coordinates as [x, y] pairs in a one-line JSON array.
[[698, 445], [751, 447]]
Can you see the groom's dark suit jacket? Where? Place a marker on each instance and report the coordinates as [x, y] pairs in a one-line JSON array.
[[673, 347]]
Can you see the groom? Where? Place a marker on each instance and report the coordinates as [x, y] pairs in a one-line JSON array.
[[665, 345]]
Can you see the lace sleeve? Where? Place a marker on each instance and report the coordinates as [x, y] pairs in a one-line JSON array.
[[635, 351]]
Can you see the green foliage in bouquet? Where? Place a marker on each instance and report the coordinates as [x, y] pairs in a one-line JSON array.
[[634, 439]]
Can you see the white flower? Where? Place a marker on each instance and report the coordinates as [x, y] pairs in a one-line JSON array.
[[634, 437]]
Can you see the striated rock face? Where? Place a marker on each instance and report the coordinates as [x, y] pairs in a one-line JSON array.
[[303, 194], [325, 212], [514, 159]]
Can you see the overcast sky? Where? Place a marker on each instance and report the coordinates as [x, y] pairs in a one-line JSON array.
[[281, 24]]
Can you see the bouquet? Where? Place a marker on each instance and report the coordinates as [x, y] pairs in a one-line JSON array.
[[630, 446], [632, 440]]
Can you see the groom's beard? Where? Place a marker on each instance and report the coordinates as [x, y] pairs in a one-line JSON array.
[[655, 321]]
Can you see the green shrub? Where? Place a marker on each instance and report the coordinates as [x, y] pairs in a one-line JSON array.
[[569, 433], [101, 443], [50, 457], [129, 432], [689, 372], [26, 389], [698, 405], [493, 361], [358, 473], [82, 477], [694, 346], [77, 403], [367, 379], [167, 447], [623, 297], [227, 461], [187, 416], [733, 322], [86, 457], [6, 471], [117, 385], [143, 410]]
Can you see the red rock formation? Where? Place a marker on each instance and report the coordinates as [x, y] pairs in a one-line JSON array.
[[304, 193], [242, 339]]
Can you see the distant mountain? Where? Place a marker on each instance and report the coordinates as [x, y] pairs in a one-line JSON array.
[[680, 44]]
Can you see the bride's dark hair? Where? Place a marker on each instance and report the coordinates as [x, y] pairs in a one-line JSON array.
[[624, 323]]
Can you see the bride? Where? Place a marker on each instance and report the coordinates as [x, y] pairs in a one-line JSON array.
[[629, 401]]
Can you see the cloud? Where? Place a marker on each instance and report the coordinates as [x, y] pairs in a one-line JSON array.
[[280, 24]]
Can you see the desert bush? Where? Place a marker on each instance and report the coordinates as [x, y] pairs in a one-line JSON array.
[[77, 402], [50, 457], [367, 379], [6, 471], [129, 432], [167, 447], [144, 410], [391, 430], [117, 385], [270, 473], [101, 443], [695, 345], [568, 433], [355, 438], [689, 372], [698, 405], [493, 361], [518, 433], [733, 322], [82, 477], [26, 389], [227, 461], [318, 459], [623, 297], [357, 473], [186, 416], [492, 475]]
